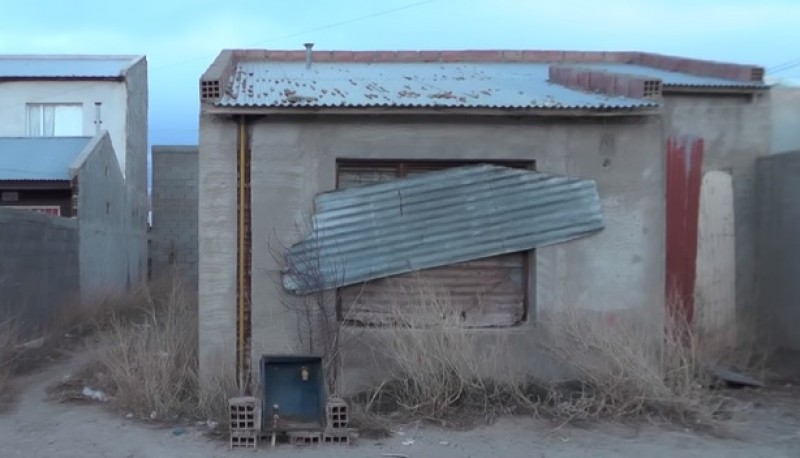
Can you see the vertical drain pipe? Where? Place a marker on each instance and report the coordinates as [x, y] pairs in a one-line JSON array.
[[241, 304]]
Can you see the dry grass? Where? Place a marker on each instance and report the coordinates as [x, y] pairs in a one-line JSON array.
[[630, 366], [621, 367], [146, 359]]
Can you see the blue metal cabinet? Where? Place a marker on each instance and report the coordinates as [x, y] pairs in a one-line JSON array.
[[296, 384]]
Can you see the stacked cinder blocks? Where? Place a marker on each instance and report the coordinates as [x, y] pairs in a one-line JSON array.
[[173, 238], [245, 422], [338, 417]]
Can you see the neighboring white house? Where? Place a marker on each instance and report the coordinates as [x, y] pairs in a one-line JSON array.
[[785, 116], [82, 96]]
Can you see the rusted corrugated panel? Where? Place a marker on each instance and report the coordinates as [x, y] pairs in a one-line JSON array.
[[411, 84], [437, 219], [487, 292], [684, 165]]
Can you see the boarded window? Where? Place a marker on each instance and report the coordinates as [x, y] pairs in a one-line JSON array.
[[486, 292]]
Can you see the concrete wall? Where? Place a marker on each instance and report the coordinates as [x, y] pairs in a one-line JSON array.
[[736, 131], [778, 248], [785, 118], [173, 238], [111, 258], [294, 159], [38, 265]]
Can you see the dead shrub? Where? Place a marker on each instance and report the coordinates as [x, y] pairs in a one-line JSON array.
[[629, 365], [620, 367], [438, 367], [146, 359]]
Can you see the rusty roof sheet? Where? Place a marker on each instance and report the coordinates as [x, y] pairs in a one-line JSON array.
[[437, 219], [409, 84]]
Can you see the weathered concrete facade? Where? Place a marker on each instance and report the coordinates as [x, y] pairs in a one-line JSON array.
[[292, 162], [736, 130], [173, 238]]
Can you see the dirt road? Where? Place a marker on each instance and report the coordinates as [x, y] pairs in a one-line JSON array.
[[36, 427]]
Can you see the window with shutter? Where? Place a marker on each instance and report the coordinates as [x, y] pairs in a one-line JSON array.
[[489, 292]]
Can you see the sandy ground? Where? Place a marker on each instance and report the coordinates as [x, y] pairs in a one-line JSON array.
[[36, 427]]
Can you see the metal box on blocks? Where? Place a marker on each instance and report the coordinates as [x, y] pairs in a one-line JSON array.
[[296, 385]]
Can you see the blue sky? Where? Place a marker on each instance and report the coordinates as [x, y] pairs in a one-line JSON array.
[[182, 37]]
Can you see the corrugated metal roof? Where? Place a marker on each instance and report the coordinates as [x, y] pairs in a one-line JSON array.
[[669, 78], [39, 158], [467, 85], [63, 66], [437, 219]]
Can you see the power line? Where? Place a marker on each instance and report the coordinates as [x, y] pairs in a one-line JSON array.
[[291, 35], [784, 66]]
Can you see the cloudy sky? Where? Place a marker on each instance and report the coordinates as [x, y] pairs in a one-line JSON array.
[[182, 37]]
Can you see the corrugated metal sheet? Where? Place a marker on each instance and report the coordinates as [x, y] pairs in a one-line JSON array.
[[437, 219], [63, 66], [39, 158], [674, 78], [467, 85]]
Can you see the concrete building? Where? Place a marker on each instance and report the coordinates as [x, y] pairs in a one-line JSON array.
[[173, 236], [281, 130], [80, 96], [94, 250]]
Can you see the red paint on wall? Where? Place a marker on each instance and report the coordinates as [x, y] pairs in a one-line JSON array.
[[684, 172]]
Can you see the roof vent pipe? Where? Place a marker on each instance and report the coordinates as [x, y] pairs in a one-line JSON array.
[[308, 54]]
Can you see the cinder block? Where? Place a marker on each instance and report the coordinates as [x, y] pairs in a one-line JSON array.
[[338, 414], [244, 415], [241, 439], [342, 437], [304, 438]]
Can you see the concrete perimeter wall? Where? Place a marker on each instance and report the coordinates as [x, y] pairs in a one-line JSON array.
[[619, 270], [111, 258], [38, 265], [173, 238], [778, 247]]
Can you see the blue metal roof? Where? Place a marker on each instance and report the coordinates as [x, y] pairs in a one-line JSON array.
[[669, 78], [409, 84], [437, 219], [39, 158], [32, 67]]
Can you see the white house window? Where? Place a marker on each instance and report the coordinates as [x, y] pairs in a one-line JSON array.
[[55, 120]]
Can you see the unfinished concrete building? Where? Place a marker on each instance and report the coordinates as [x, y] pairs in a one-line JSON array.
[[290, 141]]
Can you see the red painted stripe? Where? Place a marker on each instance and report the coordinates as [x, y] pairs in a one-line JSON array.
[[684, 172]]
